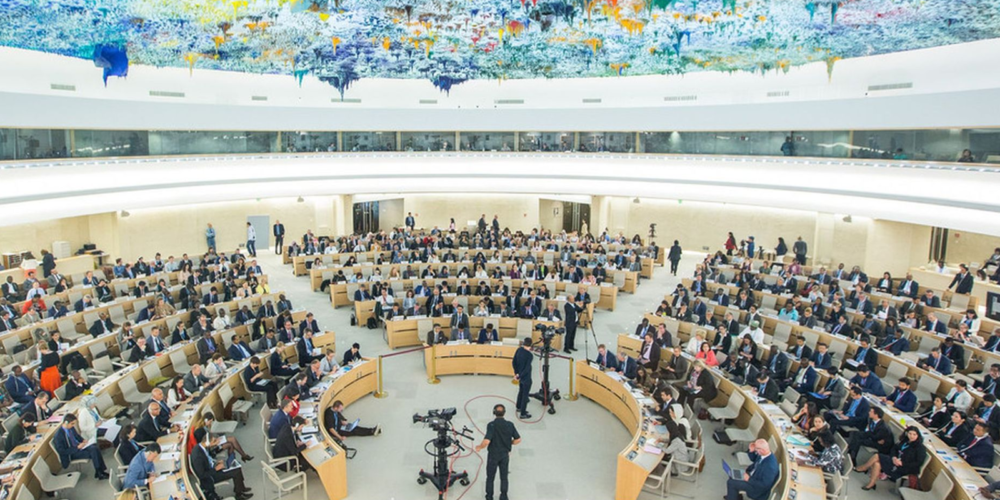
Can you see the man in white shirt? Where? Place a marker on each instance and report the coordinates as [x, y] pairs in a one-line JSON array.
[[757, 334], [251, 240]]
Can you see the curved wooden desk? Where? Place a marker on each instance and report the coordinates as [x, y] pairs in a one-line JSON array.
[[604, 390], [469, 359], [408, 332], [327, 457]]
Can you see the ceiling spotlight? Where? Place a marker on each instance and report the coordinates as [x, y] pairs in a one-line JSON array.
[[847, 219], [635, 200], [123, 214], [301, 199]]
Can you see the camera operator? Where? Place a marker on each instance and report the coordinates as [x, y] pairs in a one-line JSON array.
[[500, 437], [522, 373]]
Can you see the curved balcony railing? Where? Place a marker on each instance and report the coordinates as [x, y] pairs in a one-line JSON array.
[[20, 148], [667, 159]]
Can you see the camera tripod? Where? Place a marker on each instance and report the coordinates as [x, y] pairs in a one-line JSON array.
[[443, 477], [545, 394]]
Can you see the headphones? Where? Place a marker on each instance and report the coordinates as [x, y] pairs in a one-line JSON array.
[[499, 410]]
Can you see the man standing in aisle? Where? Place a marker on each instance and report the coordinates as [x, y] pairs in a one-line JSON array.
[[279, 236], [572, 315], [675, 257], [799, 248], [210, 237], [522, 373], [501, 436], [410, 221], [251, 240]]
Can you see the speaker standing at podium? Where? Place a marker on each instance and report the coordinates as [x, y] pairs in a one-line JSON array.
[[501, 436], [522, 373]]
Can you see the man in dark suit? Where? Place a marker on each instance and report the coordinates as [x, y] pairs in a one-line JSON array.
[[649, 353], [151, 426], [488, 334], [868, 381], [206, 347], [279, 236], [288, 443], [760, 478], [102, 326], [309, 323], [20, 387], [934, 325], [410, 221], [7, 321], [305, 349], [936, 361], [991, 382], [902, 398], [766, 388], [963, 280], [930, 300], [677, 367], [866, 354], [954, 352], [195, 380], [777, 363], [907, 287], [209, 472], [571, 316], [875, 435], [39, 407], [521, 364], [977, 449], [70, 445], [853, 414], [140, 352], [267, 342], [627, 365], [988, 414], [281, 418], [822, 358], [482, 224], [800, 350], [605, 359], [459, 319], [240, 350], [804, 380], [896, 343], [550, 313]]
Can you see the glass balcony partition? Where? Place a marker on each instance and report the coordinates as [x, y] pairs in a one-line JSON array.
[[939, 145]]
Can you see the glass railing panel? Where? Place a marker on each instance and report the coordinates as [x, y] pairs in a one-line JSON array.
[[308, 142], [545, 141], [487, 141], [368, 141], [427, 141]]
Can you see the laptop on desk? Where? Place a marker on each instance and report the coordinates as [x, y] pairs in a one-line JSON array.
[[736, 474]]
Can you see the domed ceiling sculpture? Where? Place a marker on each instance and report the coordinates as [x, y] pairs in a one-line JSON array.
[[451, 41]]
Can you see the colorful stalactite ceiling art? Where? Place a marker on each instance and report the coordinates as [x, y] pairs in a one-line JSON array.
[[450, 41]]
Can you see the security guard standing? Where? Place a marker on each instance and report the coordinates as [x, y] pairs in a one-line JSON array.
[[522, 373], [501, 436]]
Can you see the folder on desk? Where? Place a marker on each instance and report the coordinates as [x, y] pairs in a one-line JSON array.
[[818, 395]]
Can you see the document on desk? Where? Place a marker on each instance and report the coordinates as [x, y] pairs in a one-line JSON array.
[[170, 457], [161, 478]]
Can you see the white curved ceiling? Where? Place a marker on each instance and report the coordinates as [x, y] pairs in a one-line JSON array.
[[939, 87], [955, 198]]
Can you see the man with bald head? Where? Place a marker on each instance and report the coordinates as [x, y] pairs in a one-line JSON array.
[[759, 478]]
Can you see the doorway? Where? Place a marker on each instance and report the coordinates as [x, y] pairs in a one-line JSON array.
[[366, 217], [574, 215], [262, 225]]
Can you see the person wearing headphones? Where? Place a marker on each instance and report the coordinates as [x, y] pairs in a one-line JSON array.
[[501, 436]]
